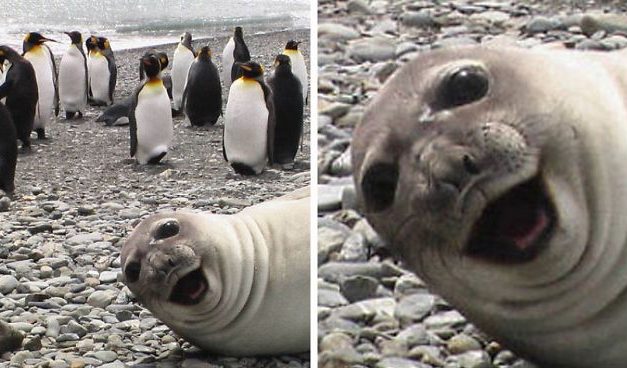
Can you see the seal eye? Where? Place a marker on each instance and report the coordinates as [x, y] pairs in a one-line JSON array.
[[379, 186], [132, 270], [463, 86], [167, 230]]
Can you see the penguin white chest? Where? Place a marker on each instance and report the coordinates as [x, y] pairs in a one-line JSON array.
[[227, 62], [40, 59], [99, 78], [183, 58], [72, 81], [246, 125], [153, 117]]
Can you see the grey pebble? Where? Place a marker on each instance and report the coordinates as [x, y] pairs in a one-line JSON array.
[[372, 49]]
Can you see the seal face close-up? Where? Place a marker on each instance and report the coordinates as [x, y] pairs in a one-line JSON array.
[[498, 176], [230, 284]]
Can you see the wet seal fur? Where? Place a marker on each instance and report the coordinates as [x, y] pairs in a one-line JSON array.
[[236, 285], [499, 177]]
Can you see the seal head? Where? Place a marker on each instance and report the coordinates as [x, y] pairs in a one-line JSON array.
[[496, 183]]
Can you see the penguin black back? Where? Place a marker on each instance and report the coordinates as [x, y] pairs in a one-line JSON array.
[[288, 101], [202, 98], [8, 151], [20, 90], [240, 53]]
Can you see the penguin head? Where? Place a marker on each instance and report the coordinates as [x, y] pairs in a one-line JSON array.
[[6, 53], [186, 40], [204, 53], [163, 59], [76, 37], [251, 69], [239, 34], [281, 60], [91, 43], [33, 39], [292, 45], [103, 43], [151, 65]]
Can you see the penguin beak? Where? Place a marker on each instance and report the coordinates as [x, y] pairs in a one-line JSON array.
[[49, 39]]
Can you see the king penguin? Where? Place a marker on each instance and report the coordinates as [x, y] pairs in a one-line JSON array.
[[288, 103], [150, 116], [299, 67], [102, 70], [249, 122], [42, 60], [73, 77], [117, 114], [234, 51], [8, 151], [202, 99], [20, 90], [183, 58]]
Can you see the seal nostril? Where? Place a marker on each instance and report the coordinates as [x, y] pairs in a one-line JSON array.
[[470, 166], [167, 230], [132, 270], [379, 186]]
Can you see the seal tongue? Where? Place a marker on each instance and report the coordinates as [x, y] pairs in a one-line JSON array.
[[511, 227]]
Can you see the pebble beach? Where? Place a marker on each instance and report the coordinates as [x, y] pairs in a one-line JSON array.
[[371, 311], [79, 194]]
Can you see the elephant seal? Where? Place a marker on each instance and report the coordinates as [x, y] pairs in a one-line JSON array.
[[235, 285], [499, 177]]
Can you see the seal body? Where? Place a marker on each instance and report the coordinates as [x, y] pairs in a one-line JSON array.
[[509, 202], [73, 78], [288, 106], [236, 285], [8, 151], [203, 92], [183, 58], [21, 93]]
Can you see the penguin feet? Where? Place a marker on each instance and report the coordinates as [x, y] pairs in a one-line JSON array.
[[41, 133], [69, 115], [155, 160], [243, 169]]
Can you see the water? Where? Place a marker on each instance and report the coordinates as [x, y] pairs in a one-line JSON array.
[[138, 23]]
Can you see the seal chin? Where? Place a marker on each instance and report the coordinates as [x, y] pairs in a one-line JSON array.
[[514, 227], [190, 289]]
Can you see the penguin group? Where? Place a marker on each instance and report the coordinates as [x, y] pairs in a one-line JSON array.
[[263, 119]]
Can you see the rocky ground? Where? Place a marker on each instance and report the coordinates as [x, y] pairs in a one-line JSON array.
[[371, 312], [79, 194]]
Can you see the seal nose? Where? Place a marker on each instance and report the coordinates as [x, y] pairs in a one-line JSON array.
[[132, 270], [167, 230], [379, 186]]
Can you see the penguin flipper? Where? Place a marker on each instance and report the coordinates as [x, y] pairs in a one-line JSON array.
[[271, 128], [113, 76], [132, 122], [86, 71], [55, 79], [5, 88], [223, 148]]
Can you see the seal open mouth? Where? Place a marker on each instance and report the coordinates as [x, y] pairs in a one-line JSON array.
[[190, 289], [513, 227]]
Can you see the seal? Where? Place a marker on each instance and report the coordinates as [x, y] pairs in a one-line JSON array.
[[498, 176], [231, 284]]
